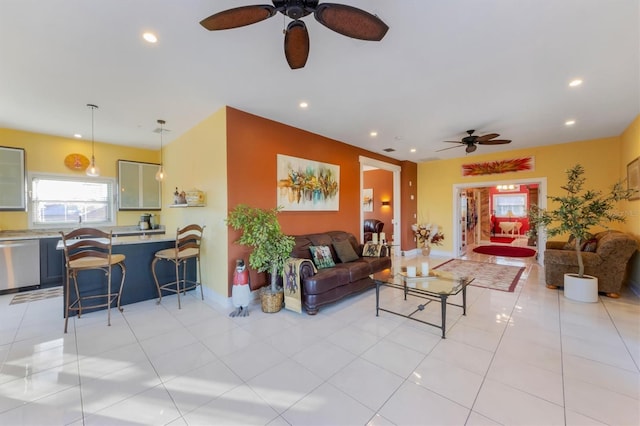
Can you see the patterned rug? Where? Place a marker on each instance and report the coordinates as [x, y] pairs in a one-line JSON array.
[[32, 296], [488, 275]]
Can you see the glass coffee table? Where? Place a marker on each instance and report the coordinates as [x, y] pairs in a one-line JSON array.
[[435, 287]]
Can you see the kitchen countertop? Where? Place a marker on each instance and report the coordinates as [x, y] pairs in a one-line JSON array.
[[118, 232], [134, 239]]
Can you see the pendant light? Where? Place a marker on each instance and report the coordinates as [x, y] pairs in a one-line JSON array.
[[92, 170], [160, 174]]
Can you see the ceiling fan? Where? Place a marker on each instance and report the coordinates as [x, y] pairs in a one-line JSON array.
[[472, 141], [346, 20]]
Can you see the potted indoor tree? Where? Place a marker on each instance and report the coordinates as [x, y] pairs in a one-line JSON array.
[[271, 248], [575, 213]]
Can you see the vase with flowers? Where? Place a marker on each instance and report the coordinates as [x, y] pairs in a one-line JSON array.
[[427, 235]]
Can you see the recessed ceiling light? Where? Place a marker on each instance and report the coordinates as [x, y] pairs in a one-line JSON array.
[[304, 105], [575, 83], [77, 135], [150, 37], [413, 150], [373, 134], [570, 122]]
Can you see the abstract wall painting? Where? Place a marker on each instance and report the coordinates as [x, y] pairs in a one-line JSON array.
[[497, 167], [307, 185]]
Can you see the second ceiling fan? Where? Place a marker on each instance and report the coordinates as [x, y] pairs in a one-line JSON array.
[[472, 141], [346, 20]]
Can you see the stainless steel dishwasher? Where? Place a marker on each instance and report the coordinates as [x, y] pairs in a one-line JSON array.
[[19, 263]]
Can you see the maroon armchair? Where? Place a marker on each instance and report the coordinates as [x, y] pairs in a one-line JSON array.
[[372, 226]]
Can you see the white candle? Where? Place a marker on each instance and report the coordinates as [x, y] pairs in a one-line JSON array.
[[411, 271], [382, 235], [374, 238], [425, 269]]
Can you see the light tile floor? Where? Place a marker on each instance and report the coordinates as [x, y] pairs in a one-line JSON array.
[[530, 357]]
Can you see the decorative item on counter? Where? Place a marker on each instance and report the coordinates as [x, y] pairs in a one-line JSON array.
[[176, 197], [182, 198]]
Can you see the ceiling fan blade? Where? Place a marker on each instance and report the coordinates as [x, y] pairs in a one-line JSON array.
[[495, 142], [296, 44], [486, 137], [444, 149], [238, 17], [351, 21], [452, 141]]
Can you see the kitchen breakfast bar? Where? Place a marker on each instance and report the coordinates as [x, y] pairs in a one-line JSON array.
[[139, 251]]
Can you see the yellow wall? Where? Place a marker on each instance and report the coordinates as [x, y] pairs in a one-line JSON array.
[[46, 154], [198, 160], [630, 151], [436, 178]]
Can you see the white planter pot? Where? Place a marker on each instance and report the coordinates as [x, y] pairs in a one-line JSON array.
[[583, 289]]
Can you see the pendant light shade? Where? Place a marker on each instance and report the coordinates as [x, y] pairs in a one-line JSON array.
[[160, 174], [92, 170]]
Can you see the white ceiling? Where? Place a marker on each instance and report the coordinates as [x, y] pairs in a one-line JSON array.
[[444, 67]]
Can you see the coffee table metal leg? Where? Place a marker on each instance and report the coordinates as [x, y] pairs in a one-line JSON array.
[[443, 303], [377, 297], [464, 300]]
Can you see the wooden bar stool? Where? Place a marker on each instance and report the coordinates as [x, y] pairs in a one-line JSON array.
[[88, 249], [188, 240]]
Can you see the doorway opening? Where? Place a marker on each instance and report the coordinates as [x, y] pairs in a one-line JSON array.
[[391, 198], [479, 216]]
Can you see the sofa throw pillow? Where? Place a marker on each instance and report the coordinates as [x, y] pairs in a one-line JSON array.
[[371, 250], [322, 257], [345, 251]]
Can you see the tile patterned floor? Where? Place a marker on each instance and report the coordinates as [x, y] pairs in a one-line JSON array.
[[530, 357]]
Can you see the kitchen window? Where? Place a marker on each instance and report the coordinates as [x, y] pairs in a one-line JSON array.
[[59, 201]]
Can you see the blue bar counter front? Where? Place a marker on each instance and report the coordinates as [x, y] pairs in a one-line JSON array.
[[138, 284]]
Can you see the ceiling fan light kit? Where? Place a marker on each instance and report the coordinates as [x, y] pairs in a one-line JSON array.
[[346, 20], [472, 141]]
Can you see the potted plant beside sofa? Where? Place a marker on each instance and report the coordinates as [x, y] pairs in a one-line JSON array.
[[261, 231], [575, 214]]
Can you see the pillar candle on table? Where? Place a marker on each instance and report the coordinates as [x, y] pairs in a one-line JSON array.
[[425, 269], [382, 237], [411, 271], [374, 238]]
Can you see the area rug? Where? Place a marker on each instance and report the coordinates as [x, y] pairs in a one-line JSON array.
[[32, 296], [502, 240], [487, 275], [507, 251]]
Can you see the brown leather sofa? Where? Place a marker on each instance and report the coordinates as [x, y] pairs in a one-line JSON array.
[[372, 226], [608, 263], [329, 285]]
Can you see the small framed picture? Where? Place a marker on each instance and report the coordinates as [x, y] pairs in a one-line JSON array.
[[367, 200], [633, 178]]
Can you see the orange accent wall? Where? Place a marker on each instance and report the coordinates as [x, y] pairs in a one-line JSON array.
[[252, 146], [381, 181], [409, 201]]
